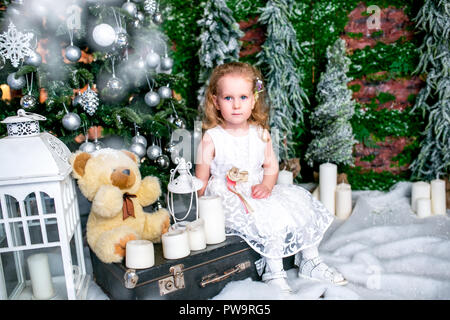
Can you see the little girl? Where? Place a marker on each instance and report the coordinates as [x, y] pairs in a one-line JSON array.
[[236, 161]]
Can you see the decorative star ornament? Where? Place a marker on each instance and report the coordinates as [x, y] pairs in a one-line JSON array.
[[15, 45]]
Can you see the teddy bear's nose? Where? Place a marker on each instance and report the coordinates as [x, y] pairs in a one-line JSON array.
[[126, 171]]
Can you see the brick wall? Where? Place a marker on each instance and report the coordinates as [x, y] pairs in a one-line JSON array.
[[394, 24]]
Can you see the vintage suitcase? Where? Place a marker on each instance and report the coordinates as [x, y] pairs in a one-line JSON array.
[[201, 275]]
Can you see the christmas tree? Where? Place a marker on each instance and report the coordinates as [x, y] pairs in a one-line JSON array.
[[434, 99], [333, 137], [95, 69], [219, 41], [278, 58]]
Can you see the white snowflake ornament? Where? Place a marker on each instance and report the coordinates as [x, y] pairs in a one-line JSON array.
[[15, 45]]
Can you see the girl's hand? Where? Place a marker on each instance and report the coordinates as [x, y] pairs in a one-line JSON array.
[[260, 191]]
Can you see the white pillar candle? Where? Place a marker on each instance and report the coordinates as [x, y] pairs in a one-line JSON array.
[[343, 200], [419, 189], [139, 254], [196, 234], [41, 279], [423, 206], [438, 200], [211, 211], [285, 177], [175, 244], [327, 185]]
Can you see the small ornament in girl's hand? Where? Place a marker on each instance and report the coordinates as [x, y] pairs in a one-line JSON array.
[[233, 177], [237, 176]]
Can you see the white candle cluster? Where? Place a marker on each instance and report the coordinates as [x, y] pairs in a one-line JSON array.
[[428, 198], [184, 237], [336, 198]]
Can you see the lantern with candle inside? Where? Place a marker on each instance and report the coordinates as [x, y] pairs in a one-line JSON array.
[[40, 230], [184, 184], [176, 242]]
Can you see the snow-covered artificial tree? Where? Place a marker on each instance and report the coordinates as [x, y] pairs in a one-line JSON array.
[[434, 99], [330, 121], [219, 41], [278, 61]]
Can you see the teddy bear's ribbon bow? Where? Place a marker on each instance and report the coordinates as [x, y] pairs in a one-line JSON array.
[[233, 177], [128, 206]]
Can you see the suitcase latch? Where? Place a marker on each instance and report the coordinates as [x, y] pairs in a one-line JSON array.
[[173, 282], [130, 279]]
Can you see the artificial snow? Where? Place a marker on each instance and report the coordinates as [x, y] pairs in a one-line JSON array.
[[383, 250]]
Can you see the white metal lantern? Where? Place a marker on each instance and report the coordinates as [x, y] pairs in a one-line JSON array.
[[185, 183], [41, 247]]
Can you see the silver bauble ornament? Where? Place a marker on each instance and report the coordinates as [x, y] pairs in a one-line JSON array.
[[138, 149], [140, 65], [87, 147], [34, 59], [114, 87], [139, 139], [28, 101], [71, 121], [121, 40], [103, 35], [152, 99], [153, 60], [130, 7], [76, 101], [140, 16], [73, 53], [165, 92], [180, 123], [166, 63], [153, 152], [136, 24], [163, 161], [170, 147], [157, 18], [14, 10], [15, 83], [171, 118]]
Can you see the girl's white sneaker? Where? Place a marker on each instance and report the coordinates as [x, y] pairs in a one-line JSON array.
[[316, 269]]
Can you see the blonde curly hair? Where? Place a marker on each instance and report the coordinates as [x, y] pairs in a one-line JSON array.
[[212, 117]]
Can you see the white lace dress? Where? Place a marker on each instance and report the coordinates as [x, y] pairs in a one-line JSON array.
[[288, 221]]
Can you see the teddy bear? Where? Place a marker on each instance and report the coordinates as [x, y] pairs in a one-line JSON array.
[[111, 180]]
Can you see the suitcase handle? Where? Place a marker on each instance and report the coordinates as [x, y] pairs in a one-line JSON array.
[[213, 278]]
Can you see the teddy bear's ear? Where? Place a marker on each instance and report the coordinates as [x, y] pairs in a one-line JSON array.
[[131, 155], [78, 162]]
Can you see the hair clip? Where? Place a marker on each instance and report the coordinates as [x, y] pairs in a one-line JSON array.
[[259, 85]]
